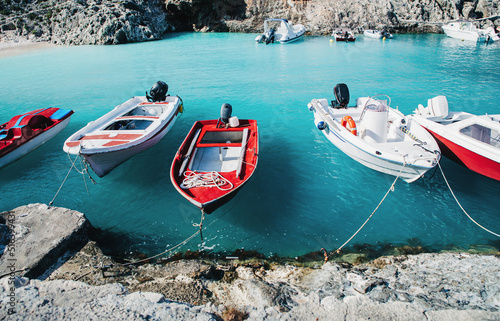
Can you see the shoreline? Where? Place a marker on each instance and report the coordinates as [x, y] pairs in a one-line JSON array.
[[60, 271], [19, 47]]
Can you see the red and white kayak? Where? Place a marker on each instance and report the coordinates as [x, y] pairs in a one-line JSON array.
[[128, 129], [25, 132], [215, 160], [470, 140]]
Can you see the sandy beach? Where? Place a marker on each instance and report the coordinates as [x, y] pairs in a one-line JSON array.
[[20, 46]]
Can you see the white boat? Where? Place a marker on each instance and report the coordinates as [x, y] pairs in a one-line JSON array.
[[470, 140], [376, 135], [344, 34], [280, 30], [377, 34], [128, 129], [466, 30]]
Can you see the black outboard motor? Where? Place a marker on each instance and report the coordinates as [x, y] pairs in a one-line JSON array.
[[158, 92], [269, 36], [225, 113], [341, 93]]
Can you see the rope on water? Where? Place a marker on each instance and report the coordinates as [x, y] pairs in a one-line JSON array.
[[465, 212], [391, 189]]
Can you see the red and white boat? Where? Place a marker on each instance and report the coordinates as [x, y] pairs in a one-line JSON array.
[[25, 132], [470, 140], [215, 160], [128, 129]]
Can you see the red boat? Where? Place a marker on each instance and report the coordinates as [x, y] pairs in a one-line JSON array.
[[470, 140], [215, 160], [25, 132]]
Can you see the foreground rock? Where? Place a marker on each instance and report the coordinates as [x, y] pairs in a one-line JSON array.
[[34, 237], [448, 286], [85, 284]]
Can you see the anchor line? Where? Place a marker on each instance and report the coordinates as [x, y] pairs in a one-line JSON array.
[[461, 207], [391, 189]]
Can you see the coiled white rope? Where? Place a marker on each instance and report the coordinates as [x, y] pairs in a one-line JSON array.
[[210, 179], [465, 212]]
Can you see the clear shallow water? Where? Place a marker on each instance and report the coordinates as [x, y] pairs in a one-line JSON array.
[[305, 194]]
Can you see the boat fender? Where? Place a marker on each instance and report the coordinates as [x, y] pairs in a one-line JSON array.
[[322, 125], [349, 124]]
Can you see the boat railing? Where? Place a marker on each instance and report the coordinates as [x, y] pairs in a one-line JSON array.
[[374, 98]]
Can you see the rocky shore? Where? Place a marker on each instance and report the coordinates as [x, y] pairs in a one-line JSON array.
[[51, 270], [77, 22]]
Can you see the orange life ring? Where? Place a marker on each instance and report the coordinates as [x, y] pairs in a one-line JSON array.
[[349, 124]]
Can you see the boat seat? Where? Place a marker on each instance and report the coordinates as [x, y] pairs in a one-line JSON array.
[[60, 114]]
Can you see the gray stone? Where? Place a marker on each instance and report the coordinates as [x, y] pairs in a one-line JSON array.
[[39, 236]]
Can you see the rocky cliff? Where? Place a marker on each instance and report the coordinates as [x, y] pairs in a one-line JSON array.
[[117, 22]]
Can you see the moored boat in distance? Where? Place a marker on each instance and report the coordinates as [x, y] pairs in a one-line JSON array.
[[466, 30], [376, 135], [470, 140], [344, 34], [25, 132], [280, 30], [128, 129], [215, 160], [377, 34]]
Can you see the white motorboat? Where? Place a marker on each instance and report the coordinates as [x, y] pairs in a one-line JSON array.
[[344, 34], [470, 140], [466, 30], [280, 30], [128, 129], [377, 34], [376, 135]]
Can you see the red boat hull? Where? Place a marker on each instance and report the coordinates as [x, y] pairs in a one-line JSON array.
[[196, 143], [468, 158]]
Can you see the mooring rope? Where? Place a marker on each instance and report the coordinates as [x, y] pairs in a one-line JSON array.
[[64, 181], [465, 212], [391, 189]]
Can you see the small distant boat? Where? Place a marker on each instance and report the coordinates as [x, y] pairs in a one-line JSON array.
[[376, 135], [378, 34], [466, 30], [215, 160], [25, 132], [128, 129], [470, 140], [344, 34], [280, 30]]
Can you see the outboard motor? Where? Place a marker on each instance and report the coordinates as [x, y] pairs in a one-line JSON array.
[[225, 113], [341, 93], [269, 36], [158, 92]]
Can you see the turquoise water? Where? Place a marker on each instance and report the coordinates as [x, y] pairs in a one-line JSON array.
[[305, 193]]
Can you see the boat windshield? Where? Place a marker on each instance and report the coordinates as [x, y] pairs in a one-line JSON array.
[[221, 137], [483, 134], [130, 124]]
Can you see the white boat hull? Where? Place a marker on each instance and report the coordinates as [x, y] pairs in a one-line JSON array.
[[104, 149], [103, 163], [33, 143], [467, 31], [405, 161]]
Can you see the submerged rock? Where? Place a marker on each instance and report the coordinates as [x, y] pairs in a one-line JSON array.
[[36, 236]]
